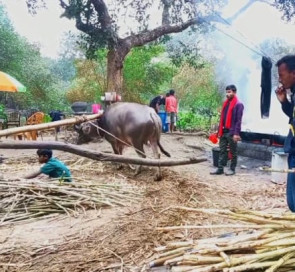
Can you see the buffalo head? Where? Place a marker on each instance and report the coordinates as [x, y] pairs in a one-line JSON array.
[[87, 132]]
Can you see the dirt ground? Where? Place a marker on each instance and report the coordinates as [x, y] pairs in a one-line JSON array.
[[123, 238]]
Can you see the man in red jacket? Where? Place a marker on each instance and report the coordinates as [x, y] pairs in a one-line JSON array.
[[229, 130]]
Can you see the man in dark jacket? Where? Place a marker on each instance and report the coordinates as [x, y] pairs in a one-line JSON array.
[[229, 131], [156, 102], [286, 70]]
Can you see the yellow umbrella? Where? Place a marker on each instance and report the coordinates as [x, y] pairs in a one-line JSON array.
[[10, 84]]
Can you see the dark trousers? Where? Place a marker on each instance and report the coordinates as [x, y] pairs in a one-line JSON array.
[[226, 140], [291, 184]]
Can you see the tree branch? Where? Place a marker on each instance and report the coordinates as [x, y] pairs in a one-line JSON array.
[[98, 156], [242, 10], [103, 14], [247, 6], [165, 14], [151, 35]]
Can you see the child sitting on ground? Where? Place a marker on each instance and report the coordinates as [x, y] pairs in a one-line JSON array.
[[52, 167]]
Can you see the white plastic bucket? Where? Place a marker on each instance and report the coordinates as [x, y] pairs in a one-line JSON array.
[[279, 161]]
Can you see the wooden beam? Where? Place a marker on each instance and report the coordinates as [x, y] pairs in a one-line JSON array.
[[96, 155], [44, 126]]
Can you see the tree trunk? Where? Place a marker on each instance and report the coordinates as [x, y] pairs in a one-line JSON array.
[[115, 69]]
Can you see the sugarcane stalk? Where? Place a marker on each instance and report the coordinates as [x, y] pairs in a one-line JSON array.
[[246, 267], [267, 169], [174, 251], [162, 260], [273, 226], [254, 236], [225, 258], [185, 268], [172, 245], [280, 262]]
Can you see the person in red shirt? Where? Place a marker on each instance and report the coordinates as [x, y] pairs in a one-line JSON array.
[[171, 109]]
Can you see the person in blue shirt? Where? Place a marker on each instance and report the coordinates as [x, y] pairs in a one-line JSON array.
[[52, 167]]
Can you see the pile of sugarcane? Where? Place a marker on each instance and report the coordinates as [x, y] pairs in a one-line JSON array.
[[266, 243], [22, 200]]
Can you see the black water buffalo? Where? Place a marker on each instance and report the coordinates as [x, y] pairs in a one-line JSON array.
[[124, 124]]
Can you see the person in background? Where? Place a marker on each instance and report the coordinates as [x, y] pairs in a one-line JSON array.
[[52, 167], [56, 115], [95, 108], [286, 71], [229, 131], [156, 102], [171, 109]]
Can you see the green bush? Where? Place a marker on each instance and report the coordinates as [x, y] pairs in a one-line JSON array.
[[190, 120]]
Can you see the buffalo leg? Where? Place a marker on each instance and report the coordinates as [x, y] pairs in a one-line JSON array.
[[140, 151], [157, 155], [118, 149]]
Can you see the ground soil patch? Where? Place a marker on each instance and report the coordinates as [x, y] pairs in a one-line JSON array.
[[123, 238]]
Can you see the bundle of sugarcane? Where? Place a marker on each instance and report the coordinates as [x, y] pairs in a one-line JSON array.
[[266, 243], [23, 200]]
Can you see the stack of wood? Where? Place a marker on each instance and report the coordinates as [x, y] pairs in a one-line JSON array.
[[266, 243], [26, 201]]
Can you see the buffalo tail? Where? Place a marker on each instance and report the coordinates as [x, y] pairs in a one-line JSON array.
[[163, 150]]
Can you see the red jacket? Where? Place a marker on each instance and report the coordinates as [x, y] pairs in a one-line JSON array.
[[171, 104]]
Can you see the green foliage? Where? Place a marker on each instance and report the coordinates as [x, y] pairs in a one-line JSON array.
[[145, 71], [190, 120], [184, 49], [42, 77], [90, 81], [198, 96]]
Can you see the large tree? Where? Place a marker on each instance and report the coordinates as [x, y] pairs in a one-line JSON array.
[[105, 22], [120, 25]]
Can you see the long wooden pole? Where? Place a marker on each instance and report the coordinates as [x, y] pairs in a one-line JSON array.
[[43, 126], [95, 155], [266, 169]]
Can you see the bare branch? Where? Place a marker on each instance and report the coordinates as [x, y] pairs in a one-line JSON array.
[[165, 14], [151, 35], [63, 4], [103, 14], [98, 156], [245, 7]]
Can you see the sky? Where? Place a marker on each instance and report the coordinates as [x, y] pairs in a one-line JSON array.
[[45, 28], [259, 22]]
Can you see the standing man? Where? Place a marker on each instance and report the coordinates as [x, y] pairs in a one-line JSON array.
[[171, 109], [229, 131], [286, 70], [157, 102]]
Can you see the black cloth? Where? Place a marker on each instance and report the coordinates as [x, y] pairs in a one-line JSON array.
[[157, 100], [56, 115], [265, 97], [289, 144]]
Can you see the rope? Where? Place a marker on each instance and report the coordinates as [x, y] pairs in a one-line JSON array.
[[262, 53], [99, 128], [237, 40]]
